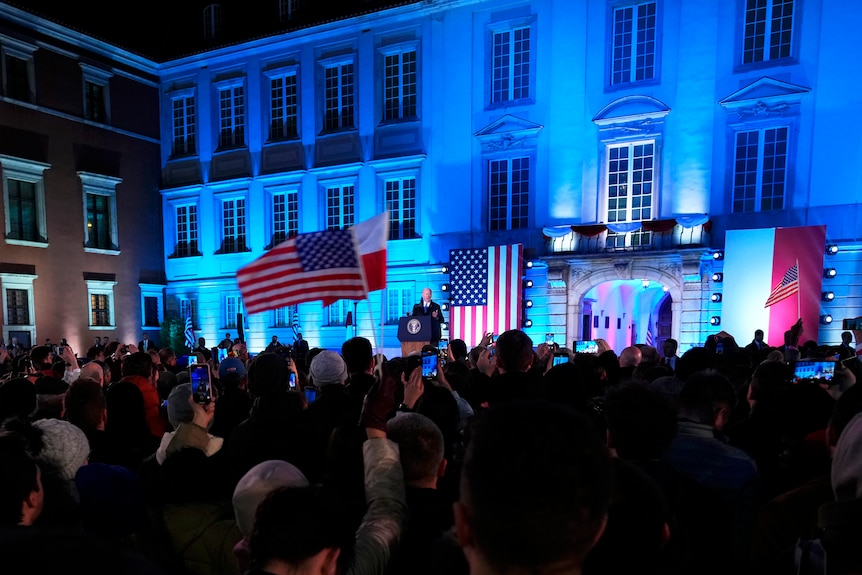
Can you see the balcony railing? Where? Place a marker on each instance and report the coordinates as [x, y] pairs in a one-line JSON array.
[[656, 235]]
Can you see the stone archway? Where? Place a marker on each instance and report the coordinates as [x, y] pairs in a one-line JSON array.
[[584, 275]]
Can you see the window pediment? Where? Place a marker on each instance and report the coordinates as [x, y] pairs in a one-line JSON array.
[[508, 132], [764, 97], [633, 113]]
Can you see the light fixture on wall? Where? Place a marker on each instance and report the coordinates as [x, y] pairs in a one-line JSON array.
[[831, 250], [528, 323], [444, 287], [444, 306], [528, 284], [715, 320], [444, 269], [830, 273], [718, 256], [716, 297], [528, 303], [827, 296], [825, 319], [718, 277], [529, 264]]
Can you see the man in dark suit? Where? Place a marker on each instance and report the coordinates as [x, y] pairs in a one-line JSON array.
[[431, 309], [300, 347], [146, 344]]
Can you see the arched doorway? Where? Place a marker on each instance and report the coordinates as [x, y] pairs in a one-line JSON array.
[[621, 301]]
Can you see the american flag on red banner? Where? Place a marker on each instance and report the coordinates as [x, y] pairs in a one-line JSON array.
[[486, 291], [308, 267], [788, 286]]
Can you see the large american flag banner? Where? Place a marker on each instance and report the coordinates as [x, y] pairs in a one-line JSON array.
[[486, 291], [315, 266]]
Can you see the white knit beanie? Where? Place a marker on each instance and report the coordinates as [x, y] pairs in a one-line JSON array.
[[66, 448]]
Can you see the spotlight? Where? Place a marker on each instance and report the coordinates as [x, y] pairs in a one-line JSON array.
[[444, 270], [528, 323], [528, 303], [444, 287], [716, 297], [827, 296], [529, 264], [825, 319], [444, 325], [444, 306], [831, 249], [644, 283], [718, 256], [528, 283], [715, 320], [718, 277], [830, 273]]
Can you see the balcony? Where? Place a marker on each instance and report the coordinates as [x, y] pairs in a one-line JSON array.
[[655, 235]]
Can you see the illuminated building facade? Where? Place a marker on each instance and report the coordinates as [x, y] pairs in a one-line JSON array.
[[81, 254], [618, 141]]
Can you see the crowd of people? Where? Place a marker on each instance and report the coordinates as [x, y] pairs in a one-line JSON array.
[[345, 461]]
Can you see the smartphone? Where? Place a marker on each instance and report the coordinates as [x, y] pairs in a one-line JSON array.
[[820, 370], [719, 347], [586, 346], [429, 364], [443, 348], [852, 323], [549, 338], [222, 354], [192, 360], [201, 383], [561, 357], [310, 393], [292, 381]]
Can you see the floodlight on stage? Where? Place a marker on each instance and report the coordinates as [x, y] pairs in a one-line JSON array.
[[831, 249], [444, 270], [716, 297], [444, 287], [715, 320], [718, 256], [528, 284], [827, 296], [528, 323], [830, 273], [717, 277], [825, 319]]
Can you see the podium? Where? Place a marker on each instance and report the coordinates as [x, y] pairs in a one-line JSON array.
[[414, 332]]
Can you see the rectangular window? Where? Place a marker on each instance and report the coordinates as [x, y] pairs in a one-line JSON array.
[[768, 30], [17, 76], [232, 308], [336, 314], [100, 203], [100, 310], [281, 317], [510, 65], [760, 170], [630, 182], [23, 221], [284, 117], [401, 203], [634, 34], [285, 216], [508, 193], [232, 117], [399, 299], [151, 311], [184, 142], [94, 102], [338, 97], [24, 199], [99, 222], [399, 90], [17, 307], [189, 306], [187, 231], [233, 226], [339, 207]]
